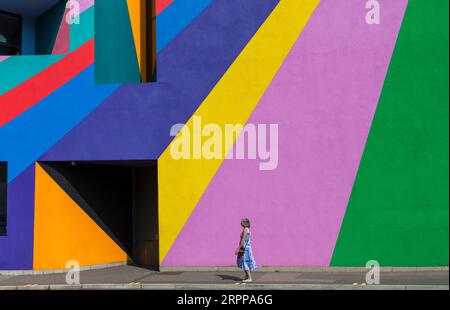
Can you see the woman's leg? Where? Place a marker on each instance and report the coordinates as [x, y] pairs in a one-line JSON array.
[[248, 275], [245, 273]]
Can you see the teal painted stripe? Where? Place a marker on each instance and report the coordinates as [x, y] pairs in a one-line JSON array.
[[84, 31], [17, 69], [115, 52]]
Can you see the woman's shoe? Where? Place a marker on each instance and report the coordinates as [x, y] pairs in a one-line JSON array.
[[247, 281]]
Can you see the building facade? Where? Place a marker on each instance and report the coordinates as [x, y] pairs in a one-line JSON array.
[[113, 117]]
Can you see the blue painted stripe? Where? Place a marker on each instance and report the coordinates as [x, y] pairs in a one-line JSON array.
[[176, 17], [26, 137]]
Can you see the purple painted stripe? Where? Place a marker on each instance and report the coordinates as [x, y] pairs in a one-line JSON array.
[[16, 249], [3, 58], [323, 98]]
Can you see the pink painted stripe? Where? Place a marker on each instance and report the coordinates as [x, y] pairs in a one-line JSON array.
[[323, 98], [85, 4], [3, 58], [62, 43]]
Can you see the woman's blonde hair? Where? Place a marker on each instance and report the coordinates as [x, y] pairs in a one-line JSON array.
[[245, 222]]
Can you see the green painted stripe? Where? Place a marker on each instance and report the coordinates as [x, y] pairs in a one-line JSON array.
[[398, 212]]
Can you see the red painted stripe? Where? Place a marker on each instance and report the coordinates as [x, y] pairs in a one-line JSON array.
[[161, 5], [30, 92]]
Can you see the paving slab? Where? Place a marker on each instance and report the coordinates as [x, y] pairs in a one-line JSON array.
[[132, 277]]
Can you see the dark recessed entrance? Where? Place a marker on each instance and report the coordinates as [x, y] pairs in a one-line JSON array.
[[121, 197]]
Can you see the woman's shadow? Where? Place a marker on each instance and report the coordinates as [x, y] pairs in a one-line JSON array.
[[225, 277]]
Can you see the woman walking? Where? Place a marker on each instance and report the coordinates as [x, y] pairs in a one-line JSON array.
[[245, 259]]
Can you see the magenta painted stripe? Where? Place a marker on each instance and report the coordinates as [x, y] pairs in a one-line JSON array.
[[3, 58], [323, 98]]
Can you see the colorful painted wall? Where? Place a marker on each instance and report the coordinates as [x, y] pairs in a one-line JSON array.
[[362, 112]]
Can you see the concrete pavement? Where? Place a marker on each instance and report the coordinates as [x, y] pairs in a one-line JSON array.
[[131, 277]]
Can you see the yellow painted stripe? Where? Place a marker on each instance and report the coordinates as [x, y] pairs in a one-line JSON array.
[[63, 231], [183, 182], [134, 10]]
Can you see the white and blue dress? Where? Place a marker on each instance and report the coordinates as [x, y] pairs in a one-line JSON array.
[[246, 261]]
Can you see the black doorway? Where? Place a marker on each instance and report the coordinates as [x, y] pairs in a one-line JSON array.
[[145, 217], [121, 197]]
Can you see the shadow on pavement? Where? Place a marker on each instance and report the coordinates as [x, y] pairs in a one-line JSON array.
[[228, 277]]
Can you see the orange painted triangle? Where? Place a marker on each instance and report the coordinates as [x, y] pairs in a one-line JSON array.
[[63, 231]]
